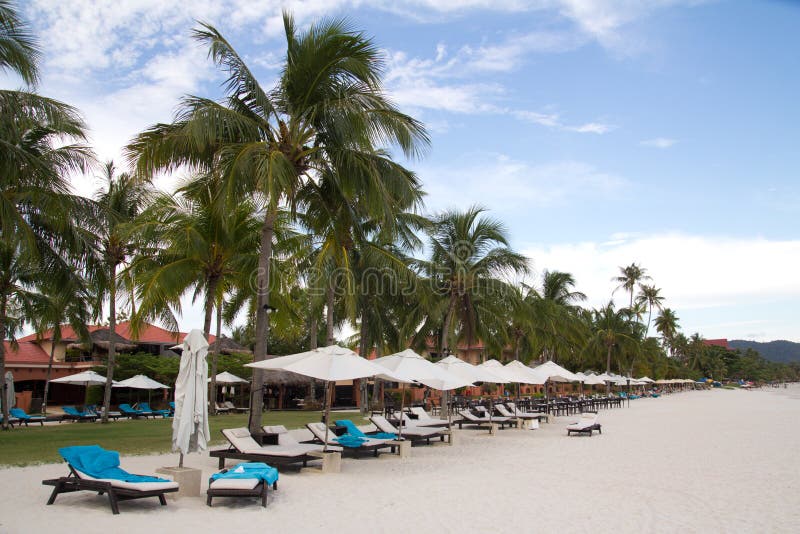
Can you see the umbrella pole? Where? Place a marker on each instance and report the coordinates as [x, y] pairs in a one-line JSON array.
[[327, 414], [402, 405], [180, 460]]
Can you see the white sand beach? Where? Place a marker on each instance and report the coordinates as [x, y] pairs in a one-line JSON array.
[[719, 460]]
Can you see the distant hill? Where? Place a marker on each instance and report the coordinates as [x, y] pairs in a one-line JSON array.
[[776, 351]]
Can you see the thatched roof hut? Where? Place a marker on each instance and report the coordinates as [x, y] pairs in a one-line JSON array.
[[102, 338], [228, 346]]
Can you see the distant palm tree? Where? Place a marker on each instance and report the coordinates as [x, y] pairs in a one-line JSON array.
[[118, 205], [650, 295], [667, 325], [612, 332], [629, 277], [328, 111]]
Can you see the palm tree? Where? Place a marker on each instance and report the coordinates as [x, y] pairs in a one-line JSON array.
[[40, 144], [651, 296], [612, 332], [328, 112], [118, 206], [628, 278], [203, 248], [667, 325], [470, 255], [553, 312]]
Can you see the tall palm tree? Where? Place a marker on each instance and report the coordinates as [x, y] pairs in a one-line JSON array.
[[629, 277], [553, 313], [19, 51], [328, 111], [612, 333], [470, 257], [117, 208], [651, 296], [201, 248], [667, 325]]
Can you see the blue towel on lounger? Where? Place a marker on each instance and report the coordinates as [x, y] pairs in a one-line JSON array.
[[97, 462], [353, 430], [246, 470], [350, 441]]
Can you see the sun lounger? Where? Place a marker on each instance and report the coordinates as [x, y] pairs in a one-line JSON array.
[[221, 408], [25, 418], [505, 412], [244, 447], [468, 418], [11, 420], [413, 433], [128, 411], [98, 411], [231, 407], [352, 443], [286, 439], [70, 412], [145, 407], [533, 415], [243, 480], [423, 419], [585, 425], [93, 468]]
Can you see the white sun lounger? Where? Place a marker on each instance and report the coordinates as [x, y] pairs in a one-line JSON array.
[[585, 425], [468, 418], [244, 447], [414, 433], [367, 444], [505, 412]]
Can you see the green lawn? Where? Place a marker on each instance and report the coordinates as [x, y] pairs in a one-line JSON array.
[[35, 444]]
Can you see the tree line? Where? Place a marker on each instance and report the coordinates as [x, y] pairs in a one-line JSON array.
[[294, 215]]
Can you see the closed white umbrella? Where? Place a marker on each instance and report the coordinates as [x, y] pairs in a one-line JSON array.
[[190, 431], [331, 364], [421, 370]]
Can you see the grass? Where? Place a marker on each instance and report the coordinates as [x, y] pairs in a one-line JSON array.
[[37, 444]]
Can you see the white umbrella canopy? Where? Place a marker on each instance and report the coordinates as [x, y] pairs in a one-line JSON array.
[[86, 378], [190, 431], [497, 369], [646, 379], [593, 380], [140, 382], [552, 371], [227, 378], [421, 370], [467, 371], [523, 374]]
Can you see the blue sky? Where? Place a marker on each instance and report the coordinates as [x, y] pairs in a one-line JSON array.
[[601, 132]]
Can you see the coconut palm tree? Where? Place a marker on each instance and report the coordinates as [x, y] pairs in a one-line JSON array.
[[19, 51], [114, 223], [667, 325], [651, 296], [629, 277], [612, 333], [328, 111]]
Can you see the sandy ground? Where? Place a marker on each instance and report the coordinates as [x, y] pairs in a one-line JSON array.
[[720, 460]]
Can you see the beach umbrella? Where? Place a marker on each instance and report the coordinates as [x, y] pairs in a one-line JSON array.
[[522, 375], [647, 379], [10, 398], [229, 379], [593, 380], [550, 371], [140, 382], [190, 425], [86, 378], [467, 371], [331, 364], [421, 370]]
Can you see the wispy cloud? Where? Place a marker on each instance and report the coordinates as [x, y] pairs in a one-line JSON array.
[[659, 142]]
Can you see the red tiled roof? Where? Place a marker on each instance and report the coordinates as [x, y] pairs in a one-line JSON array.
[[26, 352], [717, 343], [148, 333]]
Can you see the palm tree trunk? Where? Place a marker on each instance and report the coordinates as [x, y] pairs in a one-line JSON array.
[[112, 348], [312, 393], [443, 344], [649, 316], [362, 348], [4, 423], [608, 368], [329, 314], [262, 320], [49, 371], [213, 385]]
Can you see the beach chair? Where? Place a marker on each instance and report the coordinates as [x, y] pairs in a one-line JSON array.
[[585, 425], [25, 418], [221, 408], [72, 413], [505, 412], [128, 411], [171, 408], [98, 411], [95, 469], [469, 418], [538, 415], [231, 407], [242, 446], [145, 407], [414, 433], [355, 444], [11, 420], [252, 479], [423, 419]]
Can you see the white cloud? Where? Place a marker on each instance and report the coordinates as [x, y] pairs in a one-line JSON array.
[[659, 142], [503, 184], [700, 276]]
